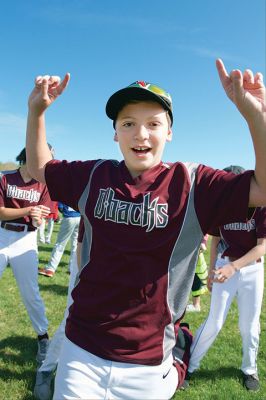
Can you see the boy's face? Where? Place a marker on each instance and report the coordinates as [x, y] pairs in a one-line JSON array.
[[142, 130]]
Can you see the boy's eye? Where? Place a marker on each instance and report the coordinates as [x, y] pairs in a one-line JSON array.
[[127, 124], [155, 123]]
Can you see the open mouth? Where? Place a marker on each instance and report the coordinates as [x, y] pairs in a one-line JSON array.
[[141, 150]]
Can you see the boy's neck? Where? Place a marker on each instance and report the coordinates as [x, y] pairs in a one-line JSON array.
[[24, 173]]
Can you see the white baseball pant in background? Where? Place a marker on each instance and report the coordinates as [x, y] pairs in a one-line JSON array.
[[247, 286], [46, 237], [19, 249], [68, 231], [53, 353]]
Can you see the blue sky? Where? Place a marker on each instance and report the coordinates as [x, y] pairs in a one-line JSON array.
[[106, 45]]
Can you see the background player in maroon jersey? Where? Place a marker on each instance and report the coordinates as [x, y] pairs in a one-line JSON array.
[[144, 222], [237, 260], [23, 205]]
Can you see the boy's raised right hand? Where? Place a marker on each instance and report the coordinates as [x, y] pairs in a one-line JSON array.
[[47, 89]]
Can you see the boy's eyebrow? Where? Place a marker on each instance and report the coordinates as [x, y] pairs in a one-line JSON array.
[[157, 115], [152, 117], [127, 116]]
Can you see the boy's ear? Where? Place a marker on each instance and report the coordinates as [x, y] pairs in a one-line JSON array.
[[169, 135], [115, 137]]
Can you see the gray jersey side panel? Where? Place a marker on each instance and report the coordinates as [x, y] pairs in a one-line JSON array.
[[182, 264], [87, 239]]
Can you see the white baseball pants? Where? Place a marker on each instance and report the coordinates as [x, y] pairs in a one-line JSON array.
[[19, 249], [52, 355], [46, 237], [82, 375], [247, 286], [68, 230]]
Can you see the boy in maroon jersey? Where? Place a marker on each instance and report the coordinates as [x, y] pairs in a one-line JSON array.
[[23, 205], [144, 222]]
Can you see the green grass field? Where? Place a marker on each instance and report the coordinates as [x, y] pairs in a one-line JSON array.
[[218, 378]]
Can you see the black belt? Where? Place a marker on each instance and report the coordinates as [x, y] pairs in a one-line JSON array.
[[17, 228]]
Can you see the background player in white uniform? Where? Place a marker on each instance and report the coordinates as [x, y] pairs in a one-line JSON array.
[[23, 205], [45, 374], [68, 231], [237, 264], [144, 222]]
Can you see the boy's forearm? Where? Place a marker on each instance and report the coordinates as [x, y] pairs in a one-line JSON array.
[[254, 254], [37, 150], [258, 133], [256, 120], [8, 214]]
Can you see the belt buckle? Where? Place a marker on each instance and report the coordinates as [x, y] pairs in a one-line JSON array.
[[20, 228]]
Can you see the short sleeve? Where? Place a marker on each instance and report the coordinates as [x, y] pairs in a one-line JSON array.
[[221, 197], [66, 181]]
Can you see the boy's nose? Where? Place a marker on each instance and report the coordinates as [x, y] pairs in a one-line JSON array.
[[142, 132]]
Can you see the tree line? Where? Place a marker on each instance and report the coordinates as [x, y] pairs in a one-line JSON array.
[[5, 166]]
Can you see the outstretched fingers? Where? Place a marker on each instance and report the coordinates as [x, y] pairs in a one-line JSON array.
[[52, 82], [225, 78], [258, 78], [61, 86], [47, 89], [238, 83], [248, 77], [55, 86], [223, 74], [251, 80], [235, 83]]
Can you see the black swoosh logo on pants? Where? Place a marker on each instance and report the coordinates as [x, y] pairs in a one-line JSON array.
[[165, 375]]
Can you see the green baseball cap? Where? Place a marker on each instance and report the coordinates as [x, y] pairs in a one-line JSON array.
[[142, 91]]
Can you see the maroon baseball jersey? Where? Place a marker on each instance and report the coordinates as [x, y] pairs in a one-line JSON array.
[[15, 193], [238, 238], [141, 241]]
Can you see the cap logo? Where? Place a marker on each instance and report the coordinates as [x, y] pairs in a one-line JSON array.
[[152, 88], [142, 83]]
